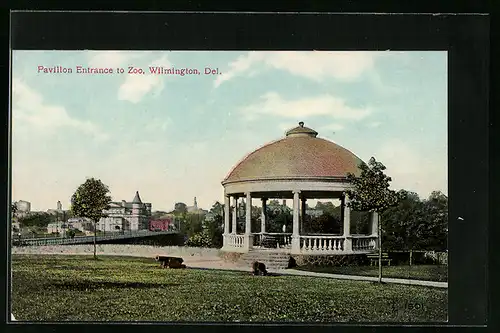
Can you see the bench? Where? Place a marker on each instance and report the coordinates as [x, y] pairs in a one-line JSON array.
[[374, 258], [270, 241], [170, 262]]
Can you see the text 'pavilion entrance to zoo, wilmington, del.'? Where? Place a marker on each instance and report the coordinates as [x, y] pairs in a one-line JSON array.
[[299, 167]]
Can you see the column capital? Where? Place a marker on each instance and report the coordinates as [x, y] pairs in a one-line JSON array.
[[248, 194], [296, 191]]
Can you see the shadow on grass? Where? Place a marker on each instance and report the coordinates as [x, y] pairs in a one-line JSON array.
[[249, 272], [90, 285]]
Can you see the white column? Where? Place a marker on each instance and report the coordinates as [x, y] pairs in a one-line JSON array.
[[295, 231], [374, 224], [248, 222], [235, 213], [347, 226], [302, 214], [263, 216], [248, 214], [374, 228], [226, 215]]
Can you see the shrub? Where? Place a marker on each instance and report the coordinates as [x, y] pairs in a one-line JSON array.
[[333, 260], [199, 239]]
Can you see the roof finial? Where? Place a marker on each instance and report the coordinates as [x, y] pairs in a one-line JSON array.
[[301, 124]]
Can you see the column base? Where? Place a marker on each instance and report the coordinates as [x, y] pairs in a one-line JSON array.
[[295, 245], [248, 243], [348, 244]]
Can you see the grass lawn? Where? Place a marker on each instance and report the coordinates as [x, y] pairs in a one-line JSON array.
[[78, 288], [415, 272]]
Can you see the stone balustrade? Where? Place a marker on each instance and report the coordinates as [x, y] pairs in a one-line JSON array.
[[308, 245], [364, 243], [321, 244], [234, 241], [273, 240]]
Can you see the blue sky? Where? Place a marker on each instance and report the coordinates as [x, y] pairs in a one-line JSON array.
[[176, 137]]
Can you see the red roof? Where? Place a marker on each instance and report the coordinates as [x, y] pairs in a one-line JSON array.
[[300, 155]]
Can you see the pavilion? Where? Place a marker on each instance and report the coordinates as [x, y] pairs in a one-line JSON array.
[[299, 166]]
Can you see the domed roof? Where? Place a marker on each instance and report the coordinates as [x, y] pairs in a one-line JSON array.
[[300, 155]]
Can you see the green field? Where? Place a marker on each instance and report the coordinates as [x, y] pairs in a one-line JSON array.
[[78, 288], [415, 272]]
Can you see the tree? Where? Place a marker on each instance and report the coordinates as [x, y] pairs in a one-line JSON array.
[[326, 223], [417, 224], [180, 208], [404, 224], [277, 217], [13, 209], [193, 224], [371, 193], [214, 224], [90, 200], [180, 212], [37, 220], [435, 213]]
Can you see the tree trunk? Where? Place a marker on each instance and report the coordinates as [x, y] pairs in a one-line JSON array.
[[411, 255], [379, 250], [95, 240]]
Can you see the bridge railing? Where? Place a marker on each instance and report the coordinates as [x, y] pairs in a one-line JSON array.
[[85, 239]]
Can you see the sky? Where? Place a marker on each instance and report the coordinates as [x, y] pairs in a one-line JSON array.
[[173, 137]]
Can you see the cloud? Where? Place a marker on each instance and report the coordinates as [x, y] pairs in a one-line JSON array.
[[323, 105], [29, 109], [287, 126], [413, 170], [136, 86], [331, 127], [158, 124], [314, 65], [374, 124]]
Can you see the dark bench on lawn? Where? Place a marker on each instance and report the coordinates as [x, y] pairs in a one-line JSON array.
[[374, 258], [170, 262]]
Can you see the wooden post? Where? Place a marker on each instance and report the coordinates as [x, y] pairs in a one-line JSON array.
[[379, 250], [95, 239]]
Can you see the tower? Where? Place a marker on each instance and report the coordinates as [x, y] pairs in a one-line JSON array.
[[59, 205], [195, 204], [135, 219]]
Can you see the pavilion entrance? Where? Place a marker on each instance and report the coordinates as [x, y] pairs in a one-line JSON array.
[[294, 242]]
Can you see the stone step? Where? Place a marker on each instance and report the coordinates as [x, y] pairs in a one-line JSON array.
[[277, 253], [250, 261], [267, 267], [271, 263], [267, 257]]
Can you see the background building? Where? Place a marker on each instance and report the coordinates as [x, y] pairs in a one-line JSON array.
[[80, 223], [124, 215], [163, 224], [194, 209], [60, 213], [23, 208]]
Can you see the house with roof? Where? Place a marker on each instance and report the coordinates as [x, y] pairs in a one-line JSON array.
[[123, 215]]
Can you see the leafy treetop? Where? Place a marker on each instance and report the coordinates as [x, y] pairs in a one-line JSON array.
[[90, 200], [371, 189]]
